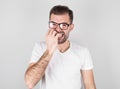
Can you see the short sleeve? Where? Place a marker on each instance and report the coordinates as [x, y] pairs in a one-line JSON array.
[[87, 63], [36, 53]]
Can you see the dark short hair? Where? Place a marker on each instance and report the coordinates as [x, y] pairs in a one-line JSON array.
[[60, 10]]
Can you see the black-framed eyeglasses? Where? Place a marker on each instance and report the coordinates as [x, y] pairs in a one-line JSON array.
[[62, 26]]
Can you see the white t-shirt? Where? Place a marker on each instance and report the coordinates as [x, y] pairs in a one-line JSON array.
[[63, 70]]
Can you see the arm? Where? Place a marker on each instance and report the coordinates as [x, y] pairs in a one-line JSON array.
[[36, 70], [88, 79]]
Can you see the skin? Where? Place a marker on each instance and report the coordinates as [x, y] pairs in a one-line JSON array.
[[88, 79], [55, 40]]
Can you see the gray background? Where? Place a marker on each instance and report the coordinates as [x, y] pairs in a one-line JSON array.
[[97, 26]]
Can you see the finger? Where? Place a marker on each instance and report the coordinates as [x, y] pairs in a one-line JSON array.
[[58, 35], [54, 33], [48, 32], [51, 31]]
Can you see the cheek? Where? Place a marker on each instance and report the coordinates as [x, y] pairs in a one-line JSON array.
[[66, 34]]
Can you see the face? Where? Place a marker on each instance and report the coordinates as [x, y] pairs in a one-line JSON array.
[[61, 24]]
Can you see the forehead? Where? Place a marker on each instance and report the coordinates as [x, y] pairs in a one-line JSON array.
[[60, 18]]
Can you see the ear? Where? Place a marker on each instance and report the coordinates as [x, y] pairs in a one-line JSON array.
[[71, 27]]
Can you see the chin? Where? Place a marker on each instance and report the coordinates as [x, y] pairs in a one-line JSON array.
[[62, 41]]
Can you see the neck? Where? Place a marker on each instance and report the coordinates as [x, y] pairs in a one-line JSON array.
[[64, 47]]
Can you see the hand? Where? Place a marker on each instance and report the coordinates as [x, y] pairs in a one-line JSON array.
[[52, 40]]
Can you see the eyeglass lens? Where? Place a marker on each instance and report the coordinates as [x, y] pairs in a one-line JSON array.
[[54, 25]]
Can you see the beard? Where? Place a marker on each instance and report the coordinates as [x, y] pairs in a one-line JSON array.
[[63, 38]]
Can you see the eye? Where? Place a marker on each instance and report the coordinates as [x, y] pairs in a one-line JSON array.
[[64, 25], [52, 24]]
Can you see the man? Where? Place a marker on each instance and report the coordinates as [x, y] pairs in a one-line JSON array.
[[58, 63]]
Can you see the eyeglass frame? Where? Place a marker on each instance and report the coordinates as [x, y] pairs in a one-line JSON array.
[[59, 25]]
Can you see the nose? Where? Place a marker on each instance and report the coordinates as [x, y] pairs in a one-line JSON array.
[[58, 29]]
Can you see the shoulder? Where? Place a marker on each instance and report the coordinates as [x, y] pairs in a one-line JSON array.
[[39, 46], [78, 48], [83, 54], [38, 50], [80, 51]]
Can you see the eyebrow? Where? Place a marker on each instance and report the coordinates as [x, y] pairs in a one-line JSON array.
[[59, 23]]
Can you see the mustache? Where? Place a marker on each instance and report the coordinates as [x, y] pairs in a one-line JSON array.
[[60, 32]]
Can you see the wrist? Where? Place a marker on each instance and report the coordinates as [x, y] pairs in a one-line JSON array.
[[49, 51]]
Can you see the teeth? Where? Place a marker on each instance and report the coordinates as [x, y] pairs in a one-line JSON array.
[[62, 34], [60, 37]]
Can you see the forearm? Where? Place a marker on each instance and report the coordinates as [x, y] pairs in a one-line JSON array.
[[90, 84], [36, 71], [90, 87], [88, 79]]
